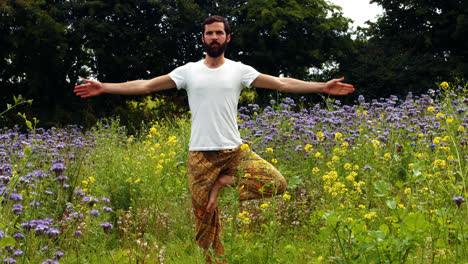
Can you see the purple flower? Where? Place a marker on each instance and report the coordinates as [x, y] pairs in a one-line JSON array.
[[80, 193], [2, 234], [18, 236], [95, 212], [107, 209], [16, 197], [50, 261], [53, 232], [78, 233], [367, 168], [58, 168], [105, 199], [9, 261], [458, 200], [18, 253], [107, 226], [58, 254], [17, 209]]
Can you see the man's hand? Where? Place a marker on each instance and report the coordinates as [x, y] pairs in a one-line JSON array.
[[90, 88], [336, 87]]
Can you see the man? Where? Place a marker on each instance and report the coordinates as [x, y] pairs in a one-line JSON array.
[[217, 156]]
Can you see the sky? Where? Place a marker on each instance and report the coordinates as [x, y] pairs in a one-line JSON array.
[[359, 10]]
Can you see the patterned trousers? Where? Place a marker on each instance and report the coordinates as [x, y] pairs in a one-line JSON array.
[[254, 177]]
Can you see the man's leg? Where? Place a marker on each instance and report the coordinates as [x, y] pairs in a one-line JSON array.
[[203, 169]]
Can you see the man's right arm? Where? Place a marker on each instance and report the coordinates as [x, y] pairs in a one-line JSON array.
[[93, 88]]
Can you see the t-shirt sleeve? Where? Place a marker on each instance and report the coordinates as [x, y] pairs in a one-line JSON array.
[[249, 74], [179, 76]]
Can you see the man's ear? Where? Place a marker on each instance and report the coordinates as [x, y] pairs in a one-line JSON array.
[[203, 38], [228, 38]]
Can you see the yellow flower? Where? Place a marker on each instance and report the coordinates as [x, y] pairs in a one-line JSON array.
[[286, 197], [407, 190], [129, 179], [431, 109], [362, 206], [347, 166], [375, 143], [410, 166], [401, 206], [274, 161], [345, 144], [245, 147], [436, 140], [449, 119], [444, 85], [335, 158], [446, 139], [387, 156], [130, 138], [439, 115], [318, 155], [315, 170], [440, 163], [247, 175], [138, 180], [356, 167], [85, 182], [269, 150], [308, 148], [338, 136], [153, 131], [264, 206], [420, 156], [320, 136], [370, 215], [420, 135], [320, 258], [461, 129]]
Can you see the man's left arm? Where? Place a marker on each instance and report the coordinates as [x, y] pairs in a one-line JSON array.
[[291, 85]]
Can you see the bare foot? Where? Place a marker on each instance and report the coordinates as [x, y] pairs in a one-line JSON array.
[[221, 182]]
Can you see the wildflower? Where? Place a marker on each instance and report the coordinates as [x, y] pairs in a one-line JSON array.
[[338, 136], [17, 236], [444, 85], [347, 166], [286, 197], [387, 156], [410, 166], [308, 148], [461, 129], [107, 226], [264, 206], [320, 136], [53, 232], [367, 168], [375, 143], [449, 119], [436, 140], [274, 161], [95, 212], [315, 170], [431, 109], [58, 254], [344, 145], [420, 135], [458, 200], [318, 155], [245, 147], [407, 190], [107, 209], [269, 150], [18, 253], [440, 164], [439, 115], [370, 215], [420, 156]]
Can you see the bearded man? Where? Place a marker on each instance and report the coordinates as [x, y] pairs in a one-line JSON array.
[[217, 156]]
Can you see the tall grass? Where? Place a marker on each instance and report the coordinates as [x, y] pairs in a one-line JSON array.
[[376, 182]]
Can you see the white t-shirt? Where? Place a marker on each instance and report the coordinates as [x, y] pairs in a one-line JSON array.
[[213, 96]]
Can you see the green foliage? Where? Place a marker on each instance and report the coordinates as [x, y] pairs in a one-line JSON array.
[[413, 45]]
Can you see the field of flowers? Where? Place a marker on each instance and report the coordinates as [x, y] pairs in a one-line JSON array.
[[381, 181]]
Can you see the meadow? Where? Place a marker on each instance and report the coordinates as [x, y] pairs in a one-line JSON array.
[[380, 181]]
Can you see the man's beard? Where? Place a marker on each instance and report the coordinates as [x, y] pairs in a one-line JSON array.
[[215, 49]]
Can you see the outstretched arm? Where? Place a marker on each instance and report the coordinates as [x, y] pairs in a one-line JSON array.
[[291, 85], [93, 88]]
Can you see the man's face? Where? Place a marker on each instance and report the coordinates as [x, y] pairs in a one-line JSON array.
[[214, 39]]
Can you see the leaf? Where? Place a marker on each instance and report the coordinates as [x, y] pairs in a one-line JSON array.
[[7, 241], [382, 188], [391, 204]]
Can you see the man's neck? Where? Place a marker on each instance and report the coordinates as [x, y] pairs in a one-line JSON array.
[[214, 63]]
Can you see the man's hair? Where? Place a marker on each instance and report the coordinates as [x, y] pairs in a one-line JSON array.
[[216, 18]]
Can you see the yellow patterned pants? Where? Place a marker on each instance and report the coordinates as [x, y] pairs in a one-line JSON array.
[[254, 177]]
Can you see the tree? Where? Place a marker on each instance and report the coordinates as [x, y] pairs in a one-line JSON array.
[[413, 45]]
